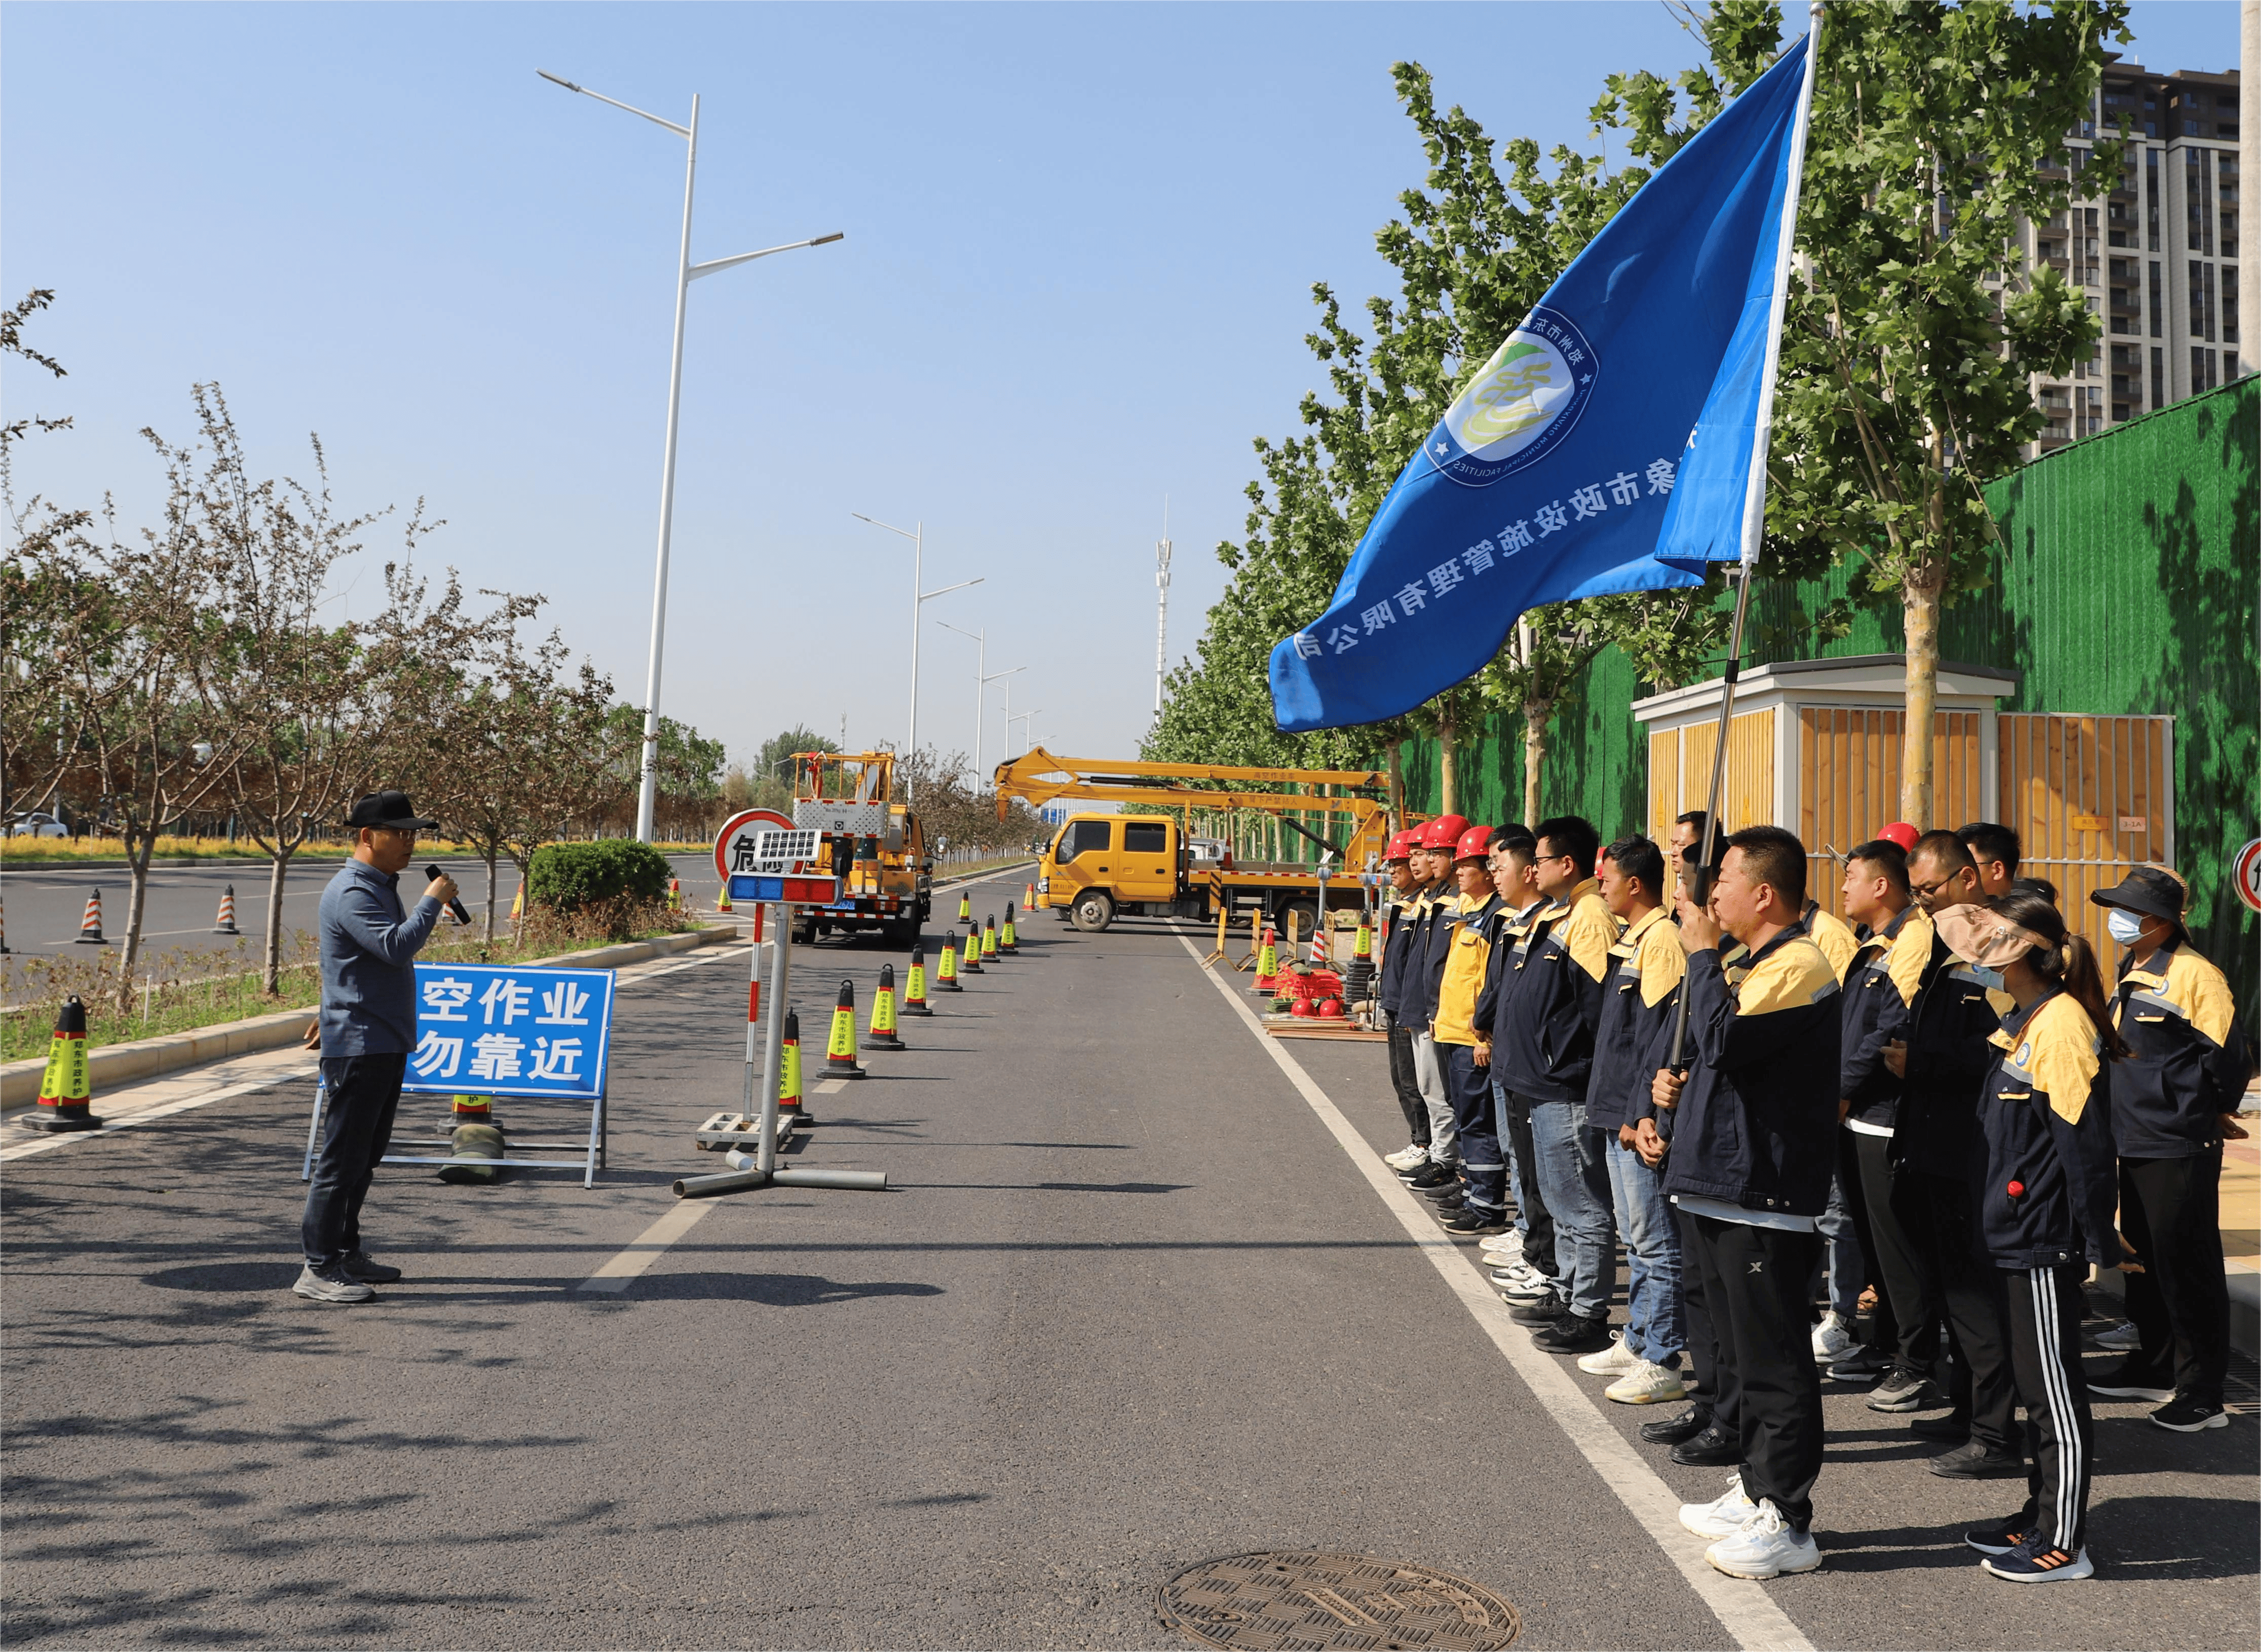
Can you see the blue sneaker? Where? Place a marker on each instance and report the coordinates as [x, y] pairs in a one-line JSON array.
[[2034, 1561]]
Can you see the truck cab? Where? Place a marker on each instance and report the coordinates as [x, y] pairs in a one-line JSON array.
[[1100, 866]]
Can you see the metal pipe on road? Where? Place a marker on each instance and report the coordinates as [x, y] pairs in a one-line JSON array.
[[744, 1179]]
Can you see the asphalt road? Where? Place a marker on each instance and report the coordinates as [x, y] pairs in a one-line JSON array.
[[1133, 1303]]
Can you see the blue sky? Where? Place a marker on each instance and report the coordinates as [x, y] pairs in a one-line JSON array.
[[1080, 242]]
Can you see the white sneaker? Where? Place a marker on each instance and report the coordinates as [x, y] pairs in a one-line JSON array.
[[1765, 1547], [1645, 1384], [1508, 1244], [1833, 1339], [1724, 1515], [2122, 1338], [1406, 1157], [1613, 1361]]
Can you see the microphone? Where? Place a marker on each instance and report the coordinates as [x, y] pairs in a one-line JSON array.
[[455, 905]]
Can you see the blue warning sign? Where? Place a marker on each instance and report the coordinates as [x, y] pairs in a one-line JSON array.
[[496, 1029]]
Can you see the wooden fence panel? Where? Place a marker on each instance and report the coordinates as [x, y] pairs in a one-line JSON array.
[[2088, 797]]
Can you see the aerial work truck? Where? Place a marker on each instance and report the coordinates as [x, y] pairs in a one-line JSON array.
[[874, 845], [1099, 867]]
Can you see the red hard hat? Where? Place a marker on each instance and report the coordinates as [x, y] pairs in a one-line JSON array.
[[1475, 844], [1443, 832], [1902, 834], [1401, 845]]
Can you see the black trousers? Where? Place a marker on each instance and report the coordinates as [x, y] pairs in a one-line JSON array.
[[1703, 1333], [2171, 1213], [1755, 1279], [2043, 1307], [364, 1094], [1906, 1328], [1938, 1211], [1531, 1203], [1407, 1083]]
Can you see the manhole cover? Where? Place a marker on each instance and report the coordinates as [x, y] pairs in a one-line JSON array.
[[1293, 1602]]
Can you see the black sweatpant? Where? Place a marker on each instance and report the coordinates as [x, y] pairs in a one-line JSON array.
[[1938, 1211], [1755, 1279], [364, 1093], [1406, 1081], [2171, 1214], [1906, 1328], [2043, 1306], [1530, 1203], [1703, 1333]]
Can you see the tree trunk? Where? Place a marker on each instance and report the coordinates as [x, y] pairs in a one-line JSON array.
[[137, 906], [1920, 600], [1448, 782], [493, 851], [1397, 787], [1535, 720], [272, 967]]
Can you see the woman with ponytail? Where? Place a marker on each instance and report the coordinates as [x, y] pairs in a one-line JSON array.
[[2045, 1206]]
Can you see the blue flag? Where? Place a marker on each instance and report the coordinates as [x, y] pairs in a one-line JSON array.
[[1568, 467]]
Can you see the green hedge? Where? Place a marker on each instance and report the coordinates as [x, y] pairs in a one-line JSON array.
[[568, 876]]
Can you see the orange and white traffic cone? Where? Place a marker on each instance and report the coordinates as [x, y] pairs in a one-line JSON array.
[[1029, 896], [882, 1034], [89, 928], [947, 981], [1319, 941], [914, 994], [840, 1048], [722, 901], [225, 923], [65, 1100]]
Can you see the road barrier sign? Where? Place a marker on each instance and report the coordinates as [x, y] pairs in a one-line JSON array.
[[2245, 875], [736, 840]]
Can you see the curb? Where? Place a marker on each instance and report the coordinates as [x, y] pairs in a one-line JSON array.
[[115, 1064]]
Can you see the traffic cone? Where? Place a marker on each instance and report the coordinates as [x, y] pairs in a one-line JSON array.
[[89, 928], [947, 981], [518, 903], [1268, 963], [1007, 945], [462, 1110], [1362, 949], [966, 906], [722, 901], [1319, 941], [225, 926], [990, 940], [675, 894], [65, 1101], [840, 1048], [915, 995], [789, 1107], [970, 960], [881, 1034], [1029, 896]]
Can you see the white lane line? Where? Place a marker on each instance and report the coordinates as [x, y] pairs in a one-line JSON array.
[[1744, 1610], [831, 1086], [649, 1246], [164, 1110]]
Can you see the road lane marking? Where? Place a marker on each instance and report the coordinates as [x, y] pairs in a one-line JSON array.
[[648, 1246], [1744, 1610]]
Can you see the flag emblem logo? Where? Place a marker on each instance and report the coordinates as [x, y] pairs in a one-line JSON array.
[[1520, 407]]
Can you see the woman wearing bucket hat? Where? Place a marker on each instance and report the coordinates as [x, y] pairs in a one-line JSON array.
[[2044, 1206], [2174, 1100]]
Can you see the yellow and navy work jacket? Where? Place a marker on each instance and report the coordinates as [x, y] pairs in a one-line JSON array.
[[1544, 1016], [1959, 1008], [1467, 953], [2050, 1184], [2190, 1059], [1879, 992], [1646, 966], [1833, 936], [1757, 1120], [1511, 934], [1424, 970], [1398, 918]]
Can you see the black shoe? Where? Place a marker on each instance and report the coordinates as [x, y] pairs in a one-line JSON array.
[[2129, 1381], [1714, 1449], [1571, 1335], [1861, 1365], [1432, 1175], [1671, 1431], [2187, 1416], [1470, 1223], [1904, 1390], [1956, 1426], [2000, 1538], [1544, 1310], [359, 1264], [1975, 1461]]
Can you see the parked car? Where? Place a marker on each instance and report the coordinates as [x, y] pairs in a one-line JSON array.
[[33, 824]]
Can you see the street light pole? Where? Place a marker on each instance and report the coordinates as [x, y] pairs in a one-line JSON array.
[[986, 682], [980, 663], [917, 535], [686, 273]]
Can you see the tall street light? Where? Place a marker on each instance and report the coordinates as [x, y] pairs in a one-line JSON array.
[[917, 535], [982, 678], [1030, 718], [686, 273]]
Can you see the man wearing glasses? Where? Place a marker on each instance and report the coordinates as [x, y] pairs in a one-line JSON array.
[[368, 1028]]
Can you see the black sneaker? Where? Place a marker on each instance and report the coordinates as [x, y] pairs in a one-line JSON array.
[[1542, 1311], [2127, 1381], [2187, 1416], [329, 1284], [1861, 1365], [2000, 1538], [1904, 1390], [1468, 1222], [360, 1265], [1671, 1431], [1572, 1335], [1713, 1449], [1975, 1461], [1431, 1175]]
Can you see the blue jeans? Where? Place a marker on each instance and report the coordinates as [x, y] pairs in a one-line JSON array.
[[1656, 1327], [1481, 1165], [1842, 1261], [1576, 1180]]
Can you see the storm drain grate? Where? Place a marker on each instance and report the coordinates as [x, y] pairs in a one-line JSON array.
[[1295, 1602]]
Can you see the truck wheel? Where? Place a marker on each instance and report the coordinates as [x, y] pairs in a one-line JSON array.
[[1307, 919], [1093, 912]]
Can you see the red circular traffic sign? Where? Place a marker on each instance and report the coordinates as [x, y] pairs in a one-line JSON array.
[[749, 823], [2245, 873]]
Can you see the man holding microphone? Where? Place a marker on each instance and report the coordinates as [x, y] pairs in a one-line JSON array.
[[367, 1030]]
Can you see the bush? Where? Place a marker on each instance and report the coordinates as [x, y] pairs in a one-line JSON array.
[[567, 877]]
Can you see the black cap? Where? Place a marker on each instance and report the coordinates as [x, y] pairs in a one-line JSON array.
[[388, 809], [2149, 889]]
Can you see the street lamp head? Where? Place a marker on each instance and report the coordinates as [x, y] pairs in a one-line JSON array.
[[836, 235], [558, 80]]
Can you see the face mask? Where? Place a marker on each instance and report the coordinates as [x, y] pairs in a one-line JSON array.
[[1990, 979], [2127, 927]]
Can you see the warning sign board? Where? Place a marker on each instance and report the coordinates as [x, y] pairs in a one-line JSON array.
[[2245, 874], [737, 843]]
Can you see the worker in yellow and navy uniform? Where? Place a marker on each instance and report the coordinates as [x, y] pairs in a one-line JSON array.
[[1522, 1260], [1542, 1038], [1749, 1162], [1833, 936], [2174, 1098], [1880, 990], [1397, 921], [2045, 1193], [1432, 862], [1483, 1206]]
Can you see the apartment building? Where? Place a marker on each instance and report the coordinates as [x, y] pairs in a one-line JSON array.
[[2157, 256]]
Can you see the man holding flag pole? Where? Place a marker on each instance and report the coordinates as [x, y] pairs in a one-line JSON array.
[[1617, 441]]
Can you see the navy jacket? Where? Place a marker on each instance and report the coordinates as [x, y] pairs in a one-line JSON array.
[[1546, 1012], [1397, 915], [1956, 1013], [1647, 963], [2050, 1185], [1757, 1120], [1427, 968], [369, 969], [2191, 1061], [1880, 990]]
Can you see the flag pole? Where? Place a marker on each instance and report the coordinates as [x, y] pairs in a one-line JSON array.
[[1754, 488]]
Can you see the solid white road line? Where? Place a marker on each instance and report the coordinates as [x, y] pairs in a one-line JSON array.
[[112, 1124], [649, 1246], [1744, 1610]]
